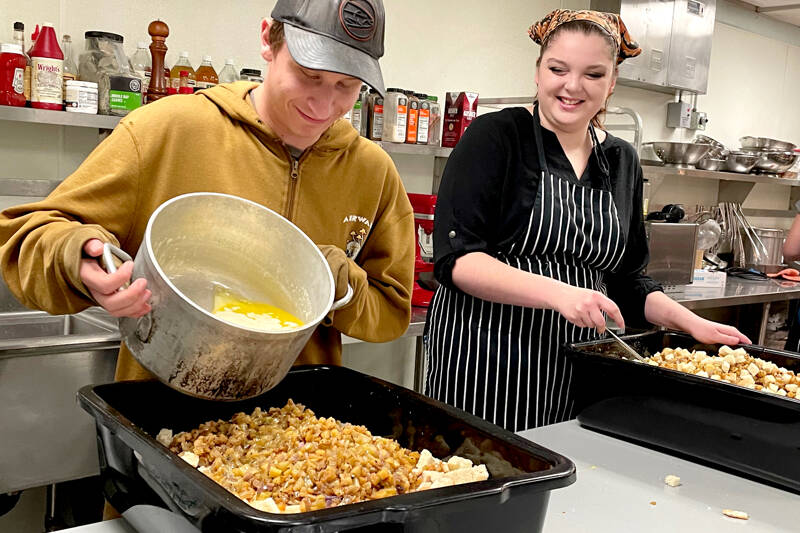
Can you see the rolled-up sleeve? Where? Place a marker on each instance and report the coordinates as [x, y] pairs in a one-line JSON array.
[[468, 204]]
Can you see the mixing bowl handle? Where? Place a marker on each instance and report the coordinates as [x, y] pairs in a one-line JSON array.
[[144, 324], [344, 300]]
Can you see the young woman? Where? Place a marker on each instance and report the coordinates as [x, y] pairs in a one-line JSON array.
[[538, 219]]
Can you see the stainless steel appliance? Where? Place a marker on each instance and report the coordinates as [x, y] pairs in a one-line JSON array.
[[673, 247], [675, 37]]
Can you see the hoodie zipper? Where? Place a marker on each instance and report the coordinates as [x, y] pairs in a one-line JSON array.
[[293, 174]]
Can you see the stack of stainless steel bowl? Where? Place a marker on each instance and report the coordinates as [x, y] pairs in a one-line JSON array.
[[715, 158], [772, 156], [679, 154]]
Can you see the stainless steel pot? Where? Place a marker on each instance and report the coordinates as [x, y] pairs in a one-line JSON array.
[[772, 252], [196, 241]]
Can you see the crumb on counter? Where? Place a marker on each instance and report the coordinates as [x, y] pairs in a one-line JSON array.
[[672, 481], [741, 515]]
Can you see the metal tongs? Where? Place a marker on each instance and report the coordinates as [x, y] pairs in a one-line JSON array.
[[627, 347]]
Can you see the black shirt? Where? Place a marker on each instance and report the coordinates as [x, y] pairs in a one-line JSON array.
[[490, 183]]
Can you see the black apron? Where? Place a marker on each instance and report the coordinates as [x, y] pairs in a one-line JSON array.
[[503, 362]]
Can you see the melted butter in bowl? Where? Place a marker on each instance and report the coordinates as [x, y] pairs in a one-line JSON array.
[[240, 311]]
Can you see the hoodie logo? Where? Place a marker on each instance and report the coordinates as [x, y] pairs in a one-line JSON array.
[[358, 19], [359, 230]]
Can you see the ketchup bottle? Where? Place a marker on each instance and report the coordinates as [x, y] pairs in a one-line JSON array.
[[12, 75], [47, 70]]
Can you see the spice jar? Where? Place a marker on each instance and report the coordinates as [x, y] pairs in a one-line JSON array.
[[435, 125], [12, 75], [375, 127], [395, 116], [413, 118], [81, 97]]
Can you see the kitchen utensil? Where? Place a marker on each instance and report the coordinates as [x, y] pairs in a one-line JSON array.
[[711, 163], [708, 234], [775, 162], [633, 353], [679, 153], [717, 150], [138, 469], [741, 162], [197, 242], [749, 431], [705, 139], [765, 143]]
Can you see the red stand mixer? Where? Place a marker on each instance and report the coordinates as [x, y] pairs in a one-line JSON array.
[[424, 206]]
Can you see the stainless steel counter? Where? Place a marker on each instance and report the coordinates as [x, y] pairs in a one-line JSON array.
[[620, 487], [737, 292]]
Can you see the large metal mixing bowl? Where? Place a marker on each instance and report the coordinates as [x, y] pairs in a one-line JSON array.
[[765, 143], [775, 162], [741, 162], [680, 154], [197, 241]]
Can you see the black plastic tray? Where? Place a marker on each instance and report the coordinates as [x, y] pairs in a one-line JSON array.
[[740, 429], [138, 470]]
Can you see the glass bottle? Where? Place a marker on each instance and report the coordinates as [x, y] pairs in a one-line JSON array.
[[182, 63], [19, 38], [228, 72], [206, 75], [183, 83], [70, 68], [435, 124]]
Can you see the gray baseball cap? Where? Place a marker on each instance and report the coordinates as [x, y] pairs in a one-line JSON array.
[[344, 36]]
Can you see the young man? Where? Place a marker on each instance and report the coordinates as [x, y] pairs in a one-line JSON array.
[[279, 143]]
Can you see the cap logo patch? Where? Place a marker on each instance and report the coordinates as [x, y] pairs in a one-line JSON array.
[[358, 19]]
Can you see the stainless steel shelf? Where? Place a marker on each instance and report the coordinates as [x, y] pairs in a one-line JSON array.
[[654, 171], [58, 118], [414, 149]]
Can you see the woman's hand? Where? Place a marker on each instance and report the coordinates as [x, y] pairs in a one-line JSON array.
[[709, 332], [104, 287], [585, 308]]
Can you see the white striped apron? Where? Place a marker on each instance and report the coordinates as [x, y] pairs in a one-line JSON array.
[[503, 362]]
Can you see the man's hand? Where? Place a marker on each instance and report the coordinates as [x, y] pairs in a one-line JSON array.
[[105, 288], [340, 267], [585, 308]]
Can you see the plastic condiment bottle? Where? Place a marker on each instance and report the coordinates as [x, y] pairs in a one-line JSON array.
[[142, 65], [206, 75], [182, 64], [70, 68], [19, 38], [228, 72], [47, 70], [12, 75]]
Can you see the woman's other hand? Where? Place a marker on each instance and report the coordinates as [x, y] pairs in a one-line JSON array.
[[709, 332], [104, 287], [585, 308]]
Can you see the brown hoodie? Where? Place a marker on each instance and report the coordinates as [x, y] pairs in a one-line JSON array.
[[347, 192]]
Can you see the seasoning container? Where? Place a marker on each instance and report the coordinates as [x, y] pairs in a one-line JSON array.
[[413, 118], [12, 75], [19, 38], [206, 75], [104, 62], [70, 68], [435, 125], [424, 119], [228, 72], [81, 97], [395, 116], [47, 71], [375, 123], [250, 74], [359, 115], [142, 65], [182, 64], [183, 83]]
